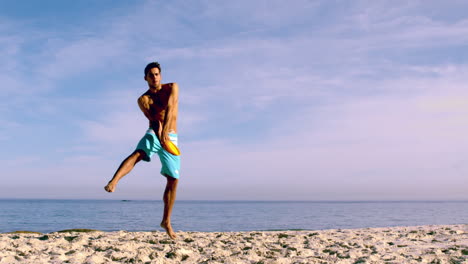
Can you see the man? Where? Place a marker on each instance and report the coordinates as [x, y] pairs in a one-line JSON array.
[[160, 105]]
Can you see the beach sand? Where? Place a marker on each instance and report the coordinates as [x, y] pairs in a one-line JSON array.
[[418, 244]]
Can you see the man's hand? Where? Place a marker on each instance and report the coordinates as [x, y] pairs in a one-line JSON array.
[[163, 135], [164, 138]]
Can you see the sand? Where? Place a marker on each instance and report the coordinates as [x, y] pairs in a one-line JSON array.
[[418, 244]]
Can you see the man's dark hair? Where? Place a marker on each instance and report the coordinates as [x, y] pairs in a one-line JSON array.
[[152, 65]]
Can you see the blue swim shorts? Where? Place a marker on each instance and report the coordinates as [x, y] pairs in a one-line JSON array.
[[150, 144]]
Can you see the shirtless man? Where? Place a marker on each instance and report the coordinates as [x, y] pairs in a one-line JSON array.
[[159, 104]]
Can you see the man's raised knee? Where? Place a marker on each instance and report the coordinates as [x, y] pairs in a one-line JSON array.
[[138, 155]]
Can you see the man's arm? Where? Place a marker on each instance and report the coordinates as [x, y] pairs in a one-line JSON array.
[[171, 112], [144, 104]]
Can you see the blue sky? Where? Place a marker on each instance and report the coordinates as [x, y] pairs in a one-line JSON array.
[[299, 100]]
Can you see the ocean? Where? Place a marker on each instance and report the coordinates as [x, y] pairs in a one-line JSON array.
[[221, 216]]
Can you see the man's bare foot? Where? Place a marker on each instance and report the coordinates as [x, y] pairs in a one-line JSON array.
[[168, 228], [110, 187]]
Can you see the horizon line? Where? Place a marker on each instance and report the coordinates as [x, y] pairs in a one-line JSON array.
[[250, 200]]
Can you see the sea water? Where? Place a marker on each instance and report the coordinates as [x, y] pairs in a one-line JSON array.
[[215, 216]]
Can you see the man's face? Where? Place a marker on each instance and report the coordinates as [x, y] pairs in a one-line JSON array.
[[153, 77]]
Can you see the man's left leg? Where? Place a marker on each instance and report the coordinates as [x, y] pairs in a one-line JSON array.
[[125, 167], [169, 199]]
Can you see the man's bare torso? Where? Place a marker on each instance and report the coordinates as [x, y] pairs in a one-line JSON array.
[[154, 106]]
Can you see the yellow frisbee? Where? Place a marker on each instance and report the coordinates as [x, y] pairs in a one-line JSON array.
[[171, 148]]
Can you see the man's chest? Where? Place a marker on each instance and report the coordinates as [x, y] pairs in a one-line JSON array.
[[158, 100]]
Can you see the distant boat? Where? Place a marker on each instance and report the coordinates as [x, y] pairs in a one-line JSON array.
[[125, 200]]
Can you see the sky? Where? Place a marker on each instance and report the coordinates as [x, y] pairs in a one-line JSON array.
[[279, 100]]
